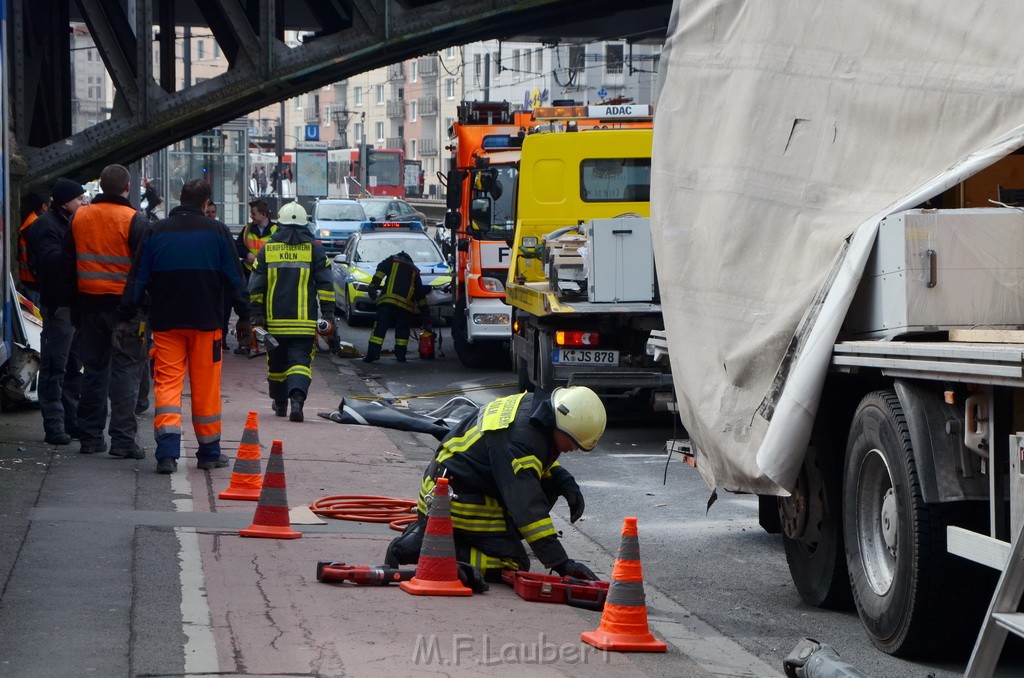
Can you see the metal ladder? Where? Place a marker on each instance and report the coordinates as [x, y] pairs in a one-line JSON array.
[[1002, 616]]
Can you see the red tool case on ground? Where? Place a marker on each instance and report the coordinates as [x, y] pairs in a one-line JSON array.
[[552, 588]]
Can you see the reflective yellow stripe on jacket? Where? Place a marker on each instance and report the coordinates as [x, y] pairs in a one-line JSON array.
[[287, 297]]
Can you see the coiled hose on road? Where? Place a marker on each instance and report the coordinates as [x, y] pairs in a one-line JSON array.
[[367, 508]]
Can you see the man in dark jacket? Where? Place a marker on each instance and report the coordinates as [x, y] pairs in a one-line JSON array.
[[290, 280], [502, 466], [402, 296], [105, 235], [184, 263], [60, 378]]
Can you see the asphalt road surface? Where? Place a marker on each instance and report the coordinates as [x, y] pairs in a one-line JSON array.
[[716, 563]]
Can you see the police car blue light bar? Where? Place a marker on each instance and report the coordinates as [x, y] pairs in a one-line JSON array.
[[368, 226]]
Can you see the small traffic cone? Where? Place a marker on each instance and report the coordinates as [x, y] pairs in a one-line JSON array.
[[437, 573], [246, 478], [271, 519], [623, 625]]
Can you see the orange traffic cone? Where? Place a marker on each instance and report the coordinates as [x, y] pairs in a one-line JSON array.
[[437, 573], [623, 625], [271, 519], [246, 479]]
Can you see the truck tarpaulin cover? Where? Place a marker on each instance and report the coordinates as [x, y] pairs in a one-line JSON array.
[[784, 131]]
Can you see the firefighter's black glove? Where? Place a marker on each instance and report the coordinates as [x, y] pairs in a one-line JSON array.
[[570, 568], [373, 293], [574, 498], [472, 577], [242, 328]]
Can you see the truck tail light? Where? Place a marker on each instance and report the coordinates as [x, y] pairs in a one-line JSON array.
[[576, 338]]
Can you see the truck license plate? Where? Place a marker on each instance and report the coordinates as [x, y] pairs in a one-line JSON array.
[[578, 356]]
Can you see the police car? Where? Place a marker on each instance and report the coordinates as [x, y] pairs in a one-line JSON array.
[[374, 242]]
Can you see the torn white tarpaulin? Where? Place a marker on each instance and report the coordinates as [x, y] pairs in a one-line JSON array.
[[781, 129]]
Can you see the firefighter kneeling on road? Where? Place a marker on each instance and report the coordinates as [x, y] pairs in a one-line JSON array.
[[502, 465], [294, 268], [404, 294]]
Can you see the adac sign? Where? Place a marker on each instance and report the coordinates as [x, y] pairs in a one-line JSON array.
[[619, 111]]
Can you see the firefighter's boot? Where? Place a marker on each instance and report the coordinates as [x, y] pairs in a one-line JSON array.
[[297, 398]]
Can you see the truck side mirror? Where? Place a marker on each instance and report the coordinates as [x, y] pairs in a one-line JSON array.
[[453, 199], [480, 214]]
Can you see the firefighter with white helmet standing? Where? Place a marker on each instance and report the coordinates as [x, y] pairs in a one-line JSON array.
[[502, 465], [290, 283]]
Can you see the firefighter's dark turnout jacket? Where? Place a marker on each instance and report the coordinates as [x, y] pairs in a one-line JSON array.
[[503, 467], [402, 285], [279, 285]]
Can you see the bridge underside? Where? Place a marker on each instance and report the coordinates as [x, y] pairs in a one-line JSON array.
[[343, 38]]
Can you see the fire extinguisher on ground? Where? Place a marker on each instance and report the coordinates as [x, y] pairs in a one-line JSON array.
[[427, 338]]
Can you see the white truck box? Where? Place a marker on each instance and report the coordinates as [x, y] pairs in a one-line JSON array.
[[934, 270], [621, 260]]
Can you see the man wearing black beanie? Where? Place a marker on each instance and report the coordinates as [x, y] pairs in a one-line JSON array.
[[52, 263]]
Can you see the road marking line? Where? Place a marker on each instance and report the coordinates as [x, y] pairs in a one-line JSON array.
[[200, 647]]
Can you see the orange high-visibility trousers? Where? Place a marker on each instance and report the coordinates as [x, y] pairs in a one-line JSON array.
[[199, 353]]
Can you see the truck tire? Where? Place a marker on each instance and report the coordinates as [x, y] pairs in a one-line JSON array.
[[895, 542], [471, 354], [812, 532]]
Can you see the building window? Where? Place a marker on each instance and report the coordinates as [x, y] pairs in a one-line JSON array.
[[414, 70], [299, 134], [413, 110], [298, 102], [379, 126], [577, 56], [216, 50], [412, 149], [200, 50], [379, 91], [538, 61], [358, 132], [449, 53], [449, 88], [477, 66], [326, 119], [613, 58], [357, 95], [515, 60]]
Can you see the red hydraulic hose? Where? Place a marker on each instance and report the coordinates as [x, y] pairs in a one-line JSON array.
[[366, 508]]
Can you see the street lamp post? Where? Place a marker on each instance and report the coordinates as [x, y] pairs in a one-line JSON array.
[[364, 156]]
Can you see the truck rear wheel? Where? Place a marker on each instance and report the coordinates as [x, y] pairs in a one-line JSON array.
[[812, 532], [895, 542]]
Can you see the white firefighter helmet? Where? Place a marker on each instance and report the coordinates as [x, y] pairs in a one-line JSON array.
[[293, 213], [579, 414]]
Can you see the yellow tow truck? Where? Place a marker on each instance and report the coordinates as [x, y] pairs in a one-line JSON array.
[[581, 281]]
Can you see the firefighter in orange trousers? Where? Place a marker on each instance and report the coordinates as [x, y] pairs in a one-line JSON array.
[[105, 234], [185, 262]]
